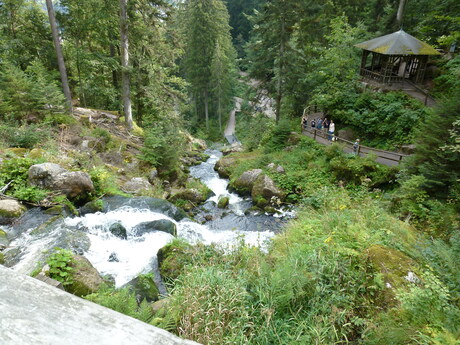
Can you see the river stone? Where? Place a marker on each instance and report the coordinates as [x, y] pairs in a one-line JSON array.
[[86, 279], [189, 194], [75, 241], [91, 207], [137, 185], [143, 287], [245, 183], [277, 168], [118, 230], [162, 206], [113, 258], [10, 210], [223, 202], [164, 225], [265, 188], [172, 259]]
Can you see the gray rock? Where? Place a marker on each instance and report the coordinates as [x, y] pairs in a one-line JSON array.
[[53, 177], [190, 194], [153, 176], [10, 210], [73, 183], [265, 188], [113, 258], [144, 287], [224, 165], [137, 185], [245, 182], [43, 175], [156, 225], [86, 279], [88, 322], [118, 230], [276, 167], [3, 239]]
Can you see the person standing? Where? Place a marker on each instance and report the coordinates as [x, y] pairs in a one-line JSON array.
[[326, 124], [331, 130], [356, 147]]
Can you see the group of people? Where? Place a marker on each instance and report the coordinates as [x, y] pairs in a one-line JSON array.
[[321, 124]]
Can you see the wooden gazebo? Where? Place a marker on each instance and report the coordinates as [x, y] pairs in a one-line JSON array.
[[395, 57]]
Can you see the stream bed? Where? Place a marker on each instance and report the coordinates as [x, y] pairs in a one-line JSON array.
[[125, 258]]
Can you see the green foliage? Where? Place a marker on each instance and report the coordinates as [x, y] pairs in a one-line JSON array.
[[60, 263], [104, 182], [32, 92], [122, 300], [15, 170], [278, 137], [26, 136]]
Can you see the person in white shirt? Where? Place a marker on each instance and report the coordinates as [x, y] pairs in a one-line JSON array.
[[331, 130]]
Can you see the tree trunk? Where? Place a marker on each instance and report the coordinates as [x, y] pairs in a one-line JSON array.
[[399, 15], [219, 110], [60, 57], [125, 64], [206, 115], [279, 86]]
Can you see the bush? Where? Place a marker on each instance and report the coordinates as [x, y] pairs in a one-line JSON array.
[[60, 264], [26, 136], [278, 138]]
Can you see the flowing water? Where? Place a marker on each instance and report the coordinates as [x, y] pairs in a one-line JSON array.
[[123, 259]]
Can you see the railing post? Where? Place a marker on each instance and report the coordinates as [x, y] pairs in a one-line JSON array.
[[359, 149], [314, 134]]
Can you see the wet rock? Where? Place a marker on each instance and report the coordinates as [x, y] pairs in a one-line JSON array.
[[43, 175], [223, 202], [157, 205], [246, 181], [118, 230], [160, 307], [10, 210], [3, 239], [143, 287], [164, 225], [113, 258], [75, 241], [91, 207], [265, 187], [189, 194], [86, 279], [208, 217], [137, 185]]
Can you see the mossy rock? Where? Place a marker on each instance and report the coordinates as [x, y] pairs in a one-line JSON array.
[[160, 307], [18, 151], [172, 258], [245, 182], [85, 278], [144, 287], [2, 258], [223, 202], [394, 266], [261, 202], [92, 207], [36, 153], [3, 238], [224, 166]]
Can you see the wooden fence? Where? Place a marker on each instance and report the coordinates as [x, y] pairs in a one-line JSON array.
[[385, 157]]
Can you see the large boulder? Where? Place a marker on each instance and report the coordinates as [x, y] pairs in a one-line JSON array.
[[73, 183], [143, 287], [137, 185], [10, 210], [172, 259], [53, 177], [85, 278], [224, 165], [164, 225], [223, 201], [264, 188], [245, 182]]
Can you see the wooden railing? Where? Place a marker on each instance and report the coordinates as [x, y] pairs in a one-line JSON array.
[[386, 157], [348, 146]]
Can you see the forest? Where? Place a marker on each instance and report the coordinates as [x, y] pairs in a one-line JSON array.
[[371, 256]]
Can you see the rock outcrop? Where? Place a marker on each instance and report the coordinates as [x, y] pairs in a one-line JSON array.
[[54, 177], [265, 188], [223, 166]]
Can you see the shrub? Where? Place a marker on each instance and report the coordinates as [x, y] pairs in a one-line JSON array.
[[60, 264], [26, 136]]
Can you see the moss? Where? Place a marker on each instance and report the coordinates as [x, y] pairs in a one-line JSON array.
[[172, 258], [18, 151], [2, 258], [393, 266], [36, 153]]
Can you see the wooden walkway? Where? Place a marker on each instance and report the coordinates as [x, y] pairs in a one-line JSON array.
[[387, 158]]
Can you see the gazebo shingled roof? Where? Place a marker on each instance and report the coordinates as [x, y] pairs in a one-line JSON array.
[[398, 43], [395, 58]]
